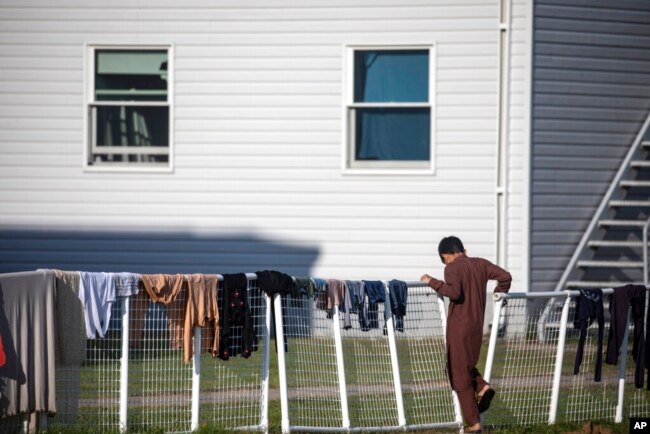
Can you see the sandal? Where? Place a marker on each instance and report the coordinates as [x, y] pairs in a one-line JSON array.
[[485, 400]]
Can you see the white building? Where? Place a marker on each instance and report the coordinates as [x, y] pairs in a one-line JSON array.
[[339, 139]]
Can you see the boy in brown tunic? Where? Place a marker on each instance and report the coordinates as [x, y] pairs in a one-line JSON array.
[[465, 285]]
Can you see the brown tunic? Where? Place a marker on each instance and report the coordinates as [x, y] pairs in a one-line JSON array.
[[201, 310], [167, 289], [466, 286]]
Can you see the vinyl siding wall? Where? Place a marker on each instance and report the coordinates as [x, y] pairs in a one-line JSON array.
[[257, 180], [591, 92]]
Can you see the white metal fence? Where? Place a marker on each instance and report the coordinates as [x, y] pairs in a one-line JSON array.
[[332, 378]]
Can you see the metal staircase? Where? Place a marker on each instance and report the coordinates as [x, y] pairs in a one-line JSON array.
[[614, 249]]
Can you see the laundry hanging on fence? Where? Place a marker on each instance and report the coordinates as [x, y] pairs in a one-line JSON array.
[[398, 292], [623, 298], [237, 328], [71, 323], [302, 287], [589, 307], [167, 289], [28, 330], [376, 294], [127, 284], [357, 293], [320, 293], [201, 310], [274, 282], [347, 307], [97, 295], [137, 313]]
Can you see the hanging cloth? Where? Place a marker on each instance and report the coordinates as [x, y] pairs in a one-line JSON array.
[[97, 295], [589, 307], [237, 331], [398, 292], [201, 310], [623, 298], [167, 290], [28, 331]]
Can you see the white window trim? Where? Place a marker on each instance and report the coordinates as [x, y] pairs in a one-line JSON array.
[[348, 165], [89, 102]]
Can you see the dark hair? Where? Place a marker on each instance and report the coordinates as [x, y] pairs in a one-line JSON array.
[[450, 245]]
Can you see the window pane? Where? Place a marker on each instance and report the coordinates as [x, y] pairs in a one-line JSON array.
[[132, 126], [391, 76], [129, 158], [131, 75], [395, 134]]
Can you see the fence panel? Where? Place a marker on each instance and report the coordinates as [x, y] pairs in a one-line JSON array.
[[340, 376], [160, 384], [421, 347], [583, 397], [369, 373], [523, 365], [525, 357], [234, 392], [371, 394], [311, 364], [88, 390]]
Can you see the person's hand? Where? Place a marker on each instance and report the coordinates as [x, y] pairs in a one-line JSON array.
[[425, 278]]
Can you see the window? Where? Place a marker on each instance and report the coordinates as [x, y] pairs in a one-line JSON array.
[[389, 110], [128, 108]]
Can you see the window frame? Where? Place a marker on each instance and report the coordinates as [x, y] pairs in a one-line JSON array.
[[91, 103], [351, 166]]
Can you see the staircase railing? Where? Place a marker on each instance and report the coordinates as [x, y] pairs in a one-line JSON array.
[[646, 277], [602, 208]]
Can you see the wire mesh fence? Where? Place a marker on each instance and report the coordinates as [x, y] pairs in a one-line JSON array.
[[539, 376], [343, 372], [88, 389], [233, 394], [390, 373], [422, 360]]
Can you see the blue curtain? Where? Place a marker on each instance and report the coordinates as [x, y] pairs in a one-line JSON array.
[[391, 76], [392, 133]]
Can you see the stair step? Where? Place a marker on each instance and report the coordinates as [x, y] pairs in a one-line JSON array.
[[640, 163], [610, 243], [629, 203], [593, 284], [610, 264], [646, 143], [622, 223], [633, 183]]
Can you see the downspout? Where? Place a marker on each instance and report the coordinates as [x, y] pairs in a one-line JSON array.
[[503, 110]]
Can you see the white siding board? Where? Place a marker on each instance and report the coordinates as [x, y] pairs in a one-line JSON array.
[[257, 118]]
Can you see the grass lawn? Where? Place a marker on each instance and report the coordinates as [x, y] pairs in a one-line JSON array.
[[230, 390]]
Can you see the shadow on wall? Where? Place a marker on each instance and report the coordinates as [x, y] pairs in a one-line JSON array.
[[150, 252]]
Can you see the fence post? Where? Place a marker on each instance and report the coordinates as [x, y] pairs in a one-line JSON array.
[[499, 297], [264, 410], [454, 396], [196, 379], [622, 366], [282, 367], [388, 316], [124, 365], [338, 343], [557, 374]]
